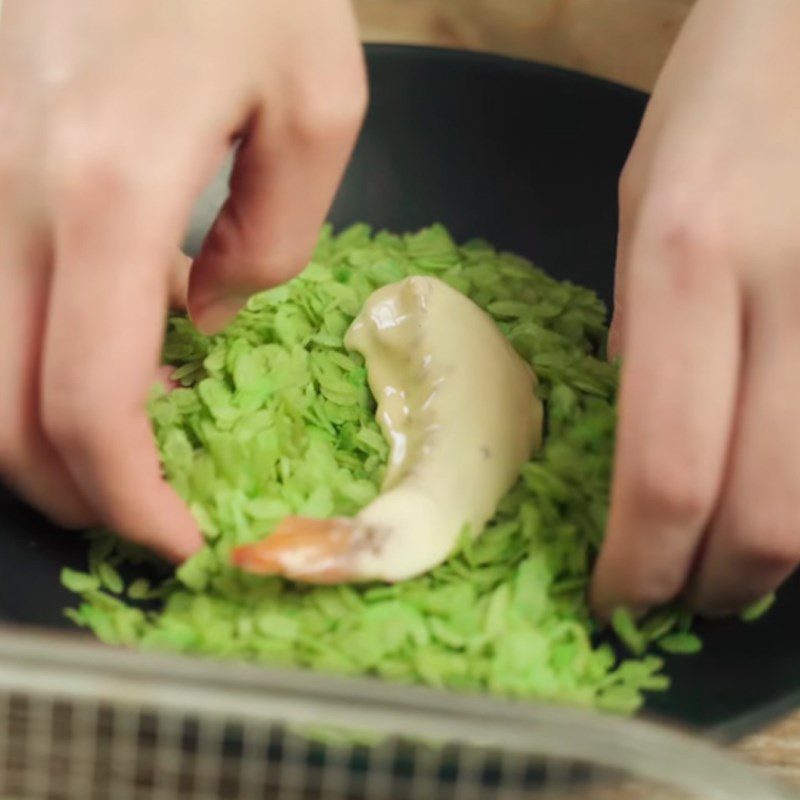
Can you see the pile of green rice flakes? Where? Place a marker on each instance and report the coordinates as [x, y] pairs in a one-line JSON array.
[[275, 417]]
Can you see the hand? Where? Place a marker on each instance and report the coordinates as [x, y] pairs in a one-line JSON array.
[[706, 496], [113, 116]]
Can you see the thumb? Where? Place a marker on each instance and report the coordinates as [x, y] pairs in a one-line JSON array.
[[282, 185]]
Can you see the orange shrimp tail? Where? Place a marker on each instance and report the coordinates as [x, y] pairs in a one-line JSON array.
[[319, 551]]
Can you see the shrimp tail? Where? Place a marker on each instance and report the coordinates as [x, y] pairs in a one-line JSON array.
[[317, 551]]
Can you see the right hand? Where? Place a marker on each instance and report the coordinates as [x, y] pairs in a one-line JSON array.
[[707, 471], [113, 116]]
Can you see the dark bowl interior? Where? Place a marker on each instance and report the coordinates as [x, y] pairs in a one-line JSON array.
[[527, 157]]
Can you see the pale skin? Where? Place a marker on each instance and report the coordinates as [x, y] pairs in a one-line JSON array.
[[706, 496], [113, 116]]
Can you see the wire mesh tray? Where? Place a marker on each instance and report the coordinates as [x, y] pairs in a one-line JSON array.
[[79, 720]]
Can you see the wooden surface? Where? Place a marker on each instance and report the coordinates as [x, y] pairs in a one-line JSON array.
[[624, 40], [778, 748]]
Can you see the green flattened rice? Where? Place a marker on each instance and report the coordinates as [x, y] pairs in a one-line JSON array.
[[275, 417]]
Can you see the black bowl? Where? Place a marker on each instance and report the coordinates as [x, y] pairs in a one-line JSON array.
[[527, 157]]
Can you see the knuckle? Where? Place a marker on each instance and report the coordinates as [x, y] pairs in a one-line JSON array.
[[93, 179], [675, 489], [87, 166], [324, 110], [687, 230], [689, 222]]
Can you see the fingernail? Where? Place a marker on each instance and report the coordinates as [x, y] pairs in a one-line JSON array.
[[217, 314]]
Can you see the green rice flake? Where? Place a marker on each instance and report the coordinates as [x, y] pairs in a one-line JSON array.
[[79, 582], [625, 627], [139, 589], [683, 643], [758, 609], [274, 417], [110, 578]]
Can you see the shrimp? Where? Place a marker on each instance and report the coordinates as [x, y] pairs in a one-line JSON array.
[[459, 409]]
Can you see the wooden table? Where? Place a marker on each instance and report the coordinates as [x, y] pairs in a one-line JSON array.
[[589, 35], [777, 748]]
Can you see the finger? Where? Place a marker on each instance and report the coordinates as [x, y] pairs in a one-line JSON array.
[[284, 179], [754, 541], [627, 204], [27, 461], [115, 238], [676, 405]]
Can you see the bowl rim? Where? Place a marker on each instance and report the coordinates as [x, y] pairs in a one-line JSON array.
[[499, 61]]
